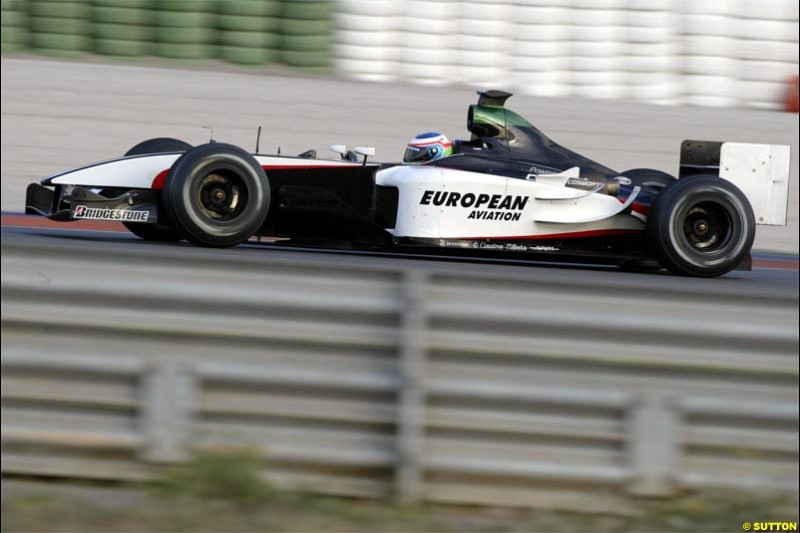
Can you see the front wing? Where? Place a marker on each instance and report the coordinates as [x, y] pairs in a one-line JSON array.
[[66, 203]]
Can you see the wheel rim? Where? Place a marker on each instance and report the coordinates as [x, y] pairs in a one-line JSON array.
[[707, 227], [222, 195]]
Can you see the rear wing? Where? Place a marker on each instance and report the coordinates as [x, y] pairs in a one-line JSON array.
[[761, 171]]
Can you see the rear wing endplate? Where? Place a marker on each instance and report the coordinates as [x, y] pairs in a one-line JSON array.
[[761, 171]]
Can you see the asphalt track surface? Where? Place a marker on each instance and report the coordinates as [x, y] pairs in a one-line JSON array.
[[771, 276], [61, 114]]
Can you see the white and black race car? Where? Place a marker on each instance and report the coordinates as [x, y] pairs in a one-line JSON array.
[[509, 191]]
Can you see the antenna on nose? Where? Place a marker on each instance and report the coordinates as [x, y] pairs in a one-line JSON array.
[[210, 133], [258, 138]]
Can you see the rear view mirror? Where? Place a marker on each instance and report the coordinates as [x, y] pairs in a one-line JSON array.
[[365, 150]]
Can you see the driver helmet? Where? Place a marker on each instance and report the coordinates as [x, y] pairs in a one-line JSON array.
[[427, 147]]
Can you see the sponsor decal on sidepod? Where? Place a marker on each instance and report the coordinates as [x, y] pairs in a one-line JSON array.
[[496, 206]]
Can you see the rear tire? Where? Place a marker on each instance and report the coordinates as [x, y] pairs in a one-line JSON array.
[[701, 226], [641, 266], [156, 232], [649, 179], [217, 195]]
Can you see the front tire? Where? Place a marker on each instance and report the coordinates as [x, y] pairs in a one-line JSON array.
[[217, 195], [701, 226], [156, 232], [159, 145]]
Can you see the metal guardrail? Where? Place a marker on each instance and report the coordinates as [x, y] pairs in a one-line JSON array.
[[363, 379]]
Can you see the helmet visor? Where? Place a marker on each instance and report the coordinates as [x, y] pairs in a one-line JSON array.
[[420, 154]]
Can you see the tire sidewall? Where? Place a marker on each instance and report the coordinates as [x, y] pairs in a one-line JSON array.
[[154, 232], [181, 195], [665, 226], [157, 232], [649, 179]]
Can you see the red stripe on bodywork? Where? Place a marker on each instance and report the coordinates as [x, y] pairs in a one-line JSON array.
[[429, 143], [550, 236], [160, 180], [636, 206]]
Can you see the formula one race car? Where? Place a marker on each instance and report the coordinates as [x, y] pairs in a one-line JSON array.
[[509, 191]]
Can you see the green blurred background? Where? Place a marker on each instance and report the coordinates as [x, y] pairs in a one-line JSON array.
[[245, 32]]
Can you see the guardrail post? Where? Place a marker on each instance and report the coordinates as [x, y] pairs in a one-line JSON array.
[[168, 393], [653, 444], [411, 396]]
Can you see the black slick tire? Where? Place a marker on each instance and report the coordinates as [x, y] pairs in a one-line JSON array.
[[217, 195], [649, 179], [159, 145], [156, 232], [701, 226]]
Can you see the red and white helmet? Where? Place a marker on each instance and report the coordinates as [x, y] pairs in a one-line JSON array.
[[427, 147]]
